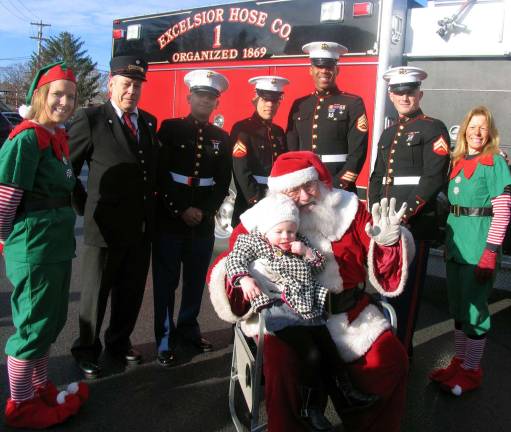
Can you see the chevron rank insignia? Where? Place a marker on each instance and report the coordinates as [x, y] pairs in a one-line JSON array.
[[440, 147], [239, 150], [362, 123]]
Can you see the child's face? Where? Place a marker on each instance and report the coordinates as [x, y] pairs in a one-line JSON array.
[[282, 234]]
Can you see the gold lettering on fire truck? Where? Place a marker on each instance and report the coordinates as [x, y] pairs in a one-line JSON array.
[[247, 16]]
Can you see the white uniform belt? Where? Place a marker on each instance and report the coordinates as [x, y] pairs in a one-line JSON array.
[[334, 158], [402, 180], [192, 181], [261, 179]]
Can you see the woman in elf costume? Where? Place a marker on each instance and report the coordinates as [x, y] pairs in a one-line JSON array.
[[37, 237], [479, 194]]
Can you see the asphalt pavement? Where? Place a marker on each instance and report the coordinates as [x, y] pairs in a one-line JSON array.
[[192, 395]]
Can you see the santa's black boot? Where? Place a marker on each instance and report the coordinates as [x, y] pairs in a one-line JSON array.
[[349, 398], [311, 412]]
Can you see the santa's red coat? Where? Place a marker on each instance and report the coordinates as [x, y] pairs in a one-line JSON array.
[[377, 361]]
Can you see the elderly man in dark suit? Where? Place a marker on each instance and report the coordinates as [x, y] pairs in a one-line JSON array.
[[118, 142]]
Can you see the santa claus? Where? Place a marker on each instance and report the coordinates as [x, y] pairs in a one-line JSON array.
[[358, 246]]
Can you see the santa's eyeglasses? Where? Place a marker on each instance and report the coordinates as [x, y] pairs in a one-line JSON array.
[[309, 188]]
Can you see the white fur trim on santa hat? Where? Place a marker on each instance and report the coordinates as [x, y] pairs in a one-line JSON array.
[[354, 339], [218, 294], [407, 252], [292, 179]]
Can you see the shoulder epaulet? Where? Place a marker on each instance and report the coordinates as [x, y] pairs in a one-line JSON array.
[[43, 136], [350, 95]]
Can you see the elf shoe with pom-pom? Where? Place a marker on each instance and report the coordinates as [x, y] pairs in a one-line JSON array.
[[36, 414], [464, 381], [443, 374]]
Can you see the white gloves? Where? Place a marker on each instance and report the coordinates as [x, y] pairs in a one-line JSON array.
[[385, 229]]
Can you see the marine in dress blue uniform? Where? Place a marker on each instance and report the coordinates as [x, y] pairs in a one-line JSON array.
[[411, 166], [194, 173], [257, 142], [330, 122]]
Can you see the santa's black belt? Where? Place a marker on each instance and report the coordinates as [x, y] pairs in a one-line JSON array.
[[344, 301], [470, 211], [33, 204]]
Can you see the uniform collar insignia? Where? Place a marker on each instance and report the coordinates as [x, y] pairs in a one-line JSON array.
[[216, 144]]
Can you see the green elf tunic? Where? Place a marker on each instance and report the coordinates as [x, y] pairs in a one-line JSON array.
[[39, 250], [473, 183]]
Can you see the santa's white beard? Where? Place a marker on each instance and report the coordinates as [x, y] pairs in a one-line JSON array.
[[323, 217]]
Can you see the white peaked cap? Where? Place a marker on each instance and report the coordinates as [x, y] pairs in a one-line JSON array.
[[206, 80], [331, 50], [403, 77], [269, 83]]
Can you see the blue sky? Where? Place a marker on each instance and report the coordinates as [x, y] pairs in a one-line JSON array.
[[91, 20]]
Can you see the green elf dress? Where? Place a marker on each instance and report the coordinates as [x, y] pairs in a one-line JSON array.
[[39, 250], [473, 183]]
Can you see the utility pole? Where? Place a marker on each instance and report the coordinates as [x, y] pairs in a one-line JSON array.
[[39, 36]]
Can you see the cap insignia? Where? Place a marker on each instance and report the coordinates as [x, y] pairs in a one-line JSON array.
[[324, 46], [135, 68]]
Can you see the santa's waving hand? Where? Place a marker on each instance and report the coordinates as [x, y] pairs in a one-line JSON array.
[[386, 227]]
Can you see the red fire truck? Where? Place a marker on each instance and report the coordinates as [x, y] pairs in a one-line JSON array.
[[464, 45]]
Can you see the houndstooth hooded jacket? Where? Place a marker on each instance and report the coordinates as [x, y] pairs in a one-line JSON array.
[[294, 274]]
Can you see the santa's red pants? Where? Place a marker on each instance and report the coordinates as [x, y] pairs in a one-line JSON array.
[[383, 371]]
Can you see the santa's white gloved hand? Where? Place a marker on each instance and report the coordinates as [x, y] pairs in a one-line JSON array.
[[386, 228]]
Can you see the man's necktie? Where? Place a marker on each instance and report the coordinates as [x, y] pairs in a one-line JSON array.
[[127, 121]]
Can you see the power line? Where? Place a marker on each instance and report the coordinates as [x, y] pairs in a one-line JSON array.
[[27, 9], [22, 13], [13, 14]]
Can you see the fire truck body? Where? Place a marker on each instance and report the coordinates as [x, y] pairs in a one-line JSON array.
[[464, 46], [246, 39]]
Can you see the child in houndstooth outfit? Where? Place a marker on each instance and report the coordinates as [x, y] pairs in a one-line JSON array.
[[274, 267]]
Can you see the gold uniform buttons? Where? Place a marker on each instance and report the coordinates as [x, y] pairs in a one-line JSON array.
[[316, 117], [314, 136], [395, 141], [391, 161], [401, 127], [314, 146], [399, 134], [200, 130], [392, 151], [199, 155], [197, 164], [195, 172], [391, 171], [182, 146], [201, 138], [200, 147], [314, 126], [321, 99]]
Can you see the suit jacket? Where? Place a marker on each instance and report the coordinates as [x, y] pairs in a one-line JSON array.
[[333, 125], [118, 206], [257, 143], [411, 166], [192, 150]]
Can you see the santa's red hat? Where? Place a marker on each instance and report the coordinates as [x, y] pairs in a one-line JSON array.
[[295, 168]]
